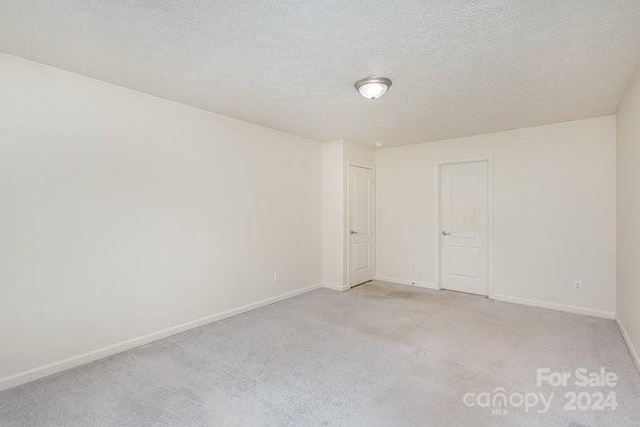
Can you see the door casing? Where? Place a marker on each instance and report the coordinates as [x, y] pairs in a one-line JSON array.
[[489, 232], [347, 213]]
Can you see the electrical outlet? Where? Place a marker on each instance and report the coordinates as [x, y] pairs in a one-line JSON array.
[[276, 276], [577, 285]]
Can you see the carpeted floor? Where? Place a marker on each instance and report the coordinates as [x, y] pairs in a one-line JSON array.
[[380, 354]]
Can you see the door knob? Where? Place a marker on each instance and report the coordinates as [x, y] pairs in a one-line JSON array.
[[353, 232], [445, 233]]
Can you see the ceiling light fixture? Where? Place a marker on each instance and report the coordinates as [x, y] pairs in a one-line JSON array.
[[373, 87]]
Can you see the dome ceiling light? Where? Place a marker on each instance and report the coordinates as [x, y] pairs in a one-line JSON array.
[[373, 87]]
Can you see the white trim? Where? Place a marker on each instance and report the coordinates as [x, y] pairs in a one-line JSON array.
[[489, 273], [81, 359], [517, 300], [556, 306], [347, 229], [407, 282], [334, 287], [360, 165], [627, 340]]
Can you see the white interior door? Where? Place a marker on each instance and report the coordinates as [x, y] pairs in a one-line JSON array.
[[361, 227], [464, 227]]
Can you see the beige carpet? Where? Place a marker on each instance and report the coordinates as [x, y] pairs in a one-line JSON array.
[[380, 354]]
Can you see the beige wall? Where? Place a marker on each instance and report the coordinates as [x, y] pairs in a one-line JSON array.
[[336, 157], [554, 212], [124, 214], [333, 214], [628, 301]]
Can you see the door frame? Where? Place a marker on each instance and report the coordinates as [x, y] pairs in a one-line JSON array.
[[347, 222], [488, 226]]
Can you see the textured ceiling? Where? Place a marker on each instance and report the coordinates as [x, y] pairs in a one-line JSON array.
[[459, 67]]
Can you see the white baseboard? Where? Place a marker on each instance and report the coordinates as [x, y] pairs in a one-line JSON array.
[[81, 359], [515, 300], [334, 287], [627, 340], [555, 306], [407, 282]]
